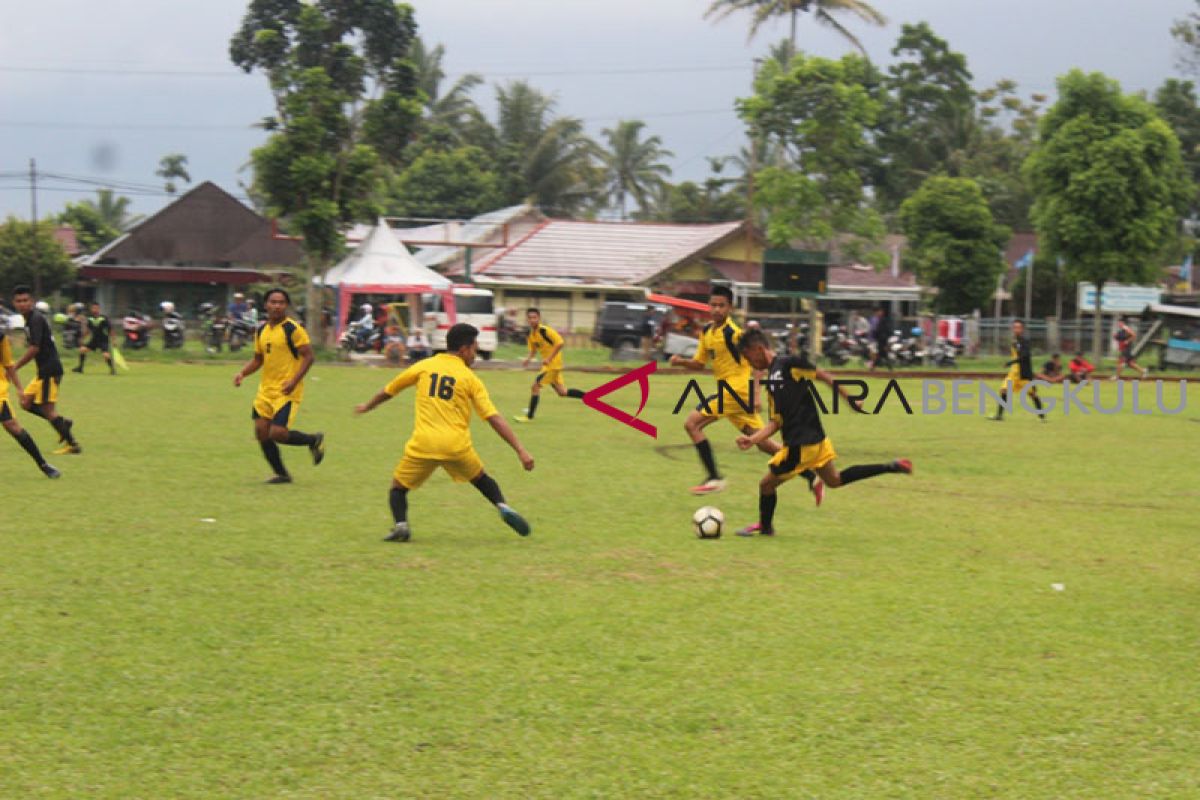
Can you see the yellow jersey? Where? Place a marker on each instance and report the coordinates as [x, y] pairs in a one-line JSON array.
[[279, 345], [447, 389], [6, 361], [543, 339], [719, 349]]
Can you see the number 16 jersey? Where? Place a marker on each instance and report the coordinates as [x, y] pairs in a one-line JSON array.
[[446, 390]]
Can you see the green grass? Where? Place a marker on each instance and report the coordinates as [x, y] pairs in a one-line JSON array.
[[904, 640]]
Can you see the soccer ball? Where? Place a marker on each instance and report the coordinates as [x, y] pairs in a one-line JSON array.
[[708, 522]]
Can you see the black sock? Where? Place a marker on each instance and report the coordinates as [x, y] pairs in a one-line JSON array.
[[864, 471], [63, 426], [26, 441], [1000, 409], [82, 356], [297, 439], [576, 393], [809, 476], [1037, 403], [271, 453], [398, 500], [488, 487], [111, 366], [766, 510], [36, 410], [533, 401], [706, 458]]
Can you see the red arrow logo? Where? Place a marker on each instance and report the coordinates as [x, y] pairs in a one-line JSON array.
[[642, 376]]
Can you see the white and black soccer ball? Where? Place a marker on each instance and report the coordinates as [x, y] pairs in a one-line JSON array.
[[708, 522]]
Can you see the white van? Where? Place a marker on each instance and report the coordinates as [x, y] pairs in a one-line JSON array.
[[471, 305]]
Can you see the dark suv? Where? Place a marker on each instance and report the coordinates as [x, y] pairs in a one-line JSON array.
[[621, 327]]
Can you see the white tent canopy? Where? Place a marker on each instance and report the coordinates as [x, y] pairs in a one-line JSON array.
[[381, 264]]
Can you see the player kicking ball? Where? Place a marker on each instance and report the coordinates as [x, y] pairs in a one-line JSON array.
[[446, 391], [805, 446]]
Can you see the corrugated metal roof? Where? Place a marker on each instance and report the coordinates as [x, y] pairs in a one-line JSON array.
[[478, 229], [602, 252]]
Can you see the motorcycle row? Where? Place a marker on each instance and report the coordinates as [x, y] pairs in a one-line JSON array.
[[840, 346]]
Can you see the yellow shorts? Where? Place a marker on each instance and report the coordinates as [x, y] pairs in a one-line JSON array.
[[791, 461], [1018, 383], [723, 405], [549, 377], [412, 471], [280, 410], [43, 390]]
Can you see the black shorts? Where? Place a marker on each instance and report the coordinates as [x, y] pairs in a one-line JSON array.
[[1124, 357], [99, 345]]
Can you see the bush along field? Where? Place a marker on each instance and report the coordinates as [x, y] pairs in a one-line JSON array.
[[1015, 619]]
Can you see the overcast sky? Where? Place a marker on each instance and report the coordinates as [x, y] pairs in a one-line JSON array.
[[103, 90]]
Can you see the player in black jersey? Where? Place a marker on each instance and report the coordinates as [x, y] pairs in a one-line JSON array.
[[1020, 373], [41, 394], [791, 391], [99, 330]]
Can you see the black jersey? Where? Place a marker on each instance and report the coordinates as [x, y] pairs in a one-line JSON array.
[[790, 387], [98, 328], [1022, 356], [39, 334]]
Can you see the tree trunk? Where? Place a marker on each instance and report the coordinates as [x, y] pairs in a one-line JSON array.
[[1098, 326], [792, 54], [314, 296]]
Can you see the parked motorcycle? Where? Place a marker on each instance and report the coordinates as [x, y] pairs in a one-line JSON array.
[[215, 327], [172, 326], [136, 327]]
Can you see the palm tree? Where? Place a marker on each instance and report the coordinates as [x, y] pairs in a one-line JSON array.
[[170, 167], [633, 166], [113, 210], [822, 10], [548, 161], [455, 106]]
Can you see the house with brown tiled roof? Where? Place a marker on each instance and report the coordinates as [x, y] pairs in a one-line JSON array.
[[569, 268], [200, 248]]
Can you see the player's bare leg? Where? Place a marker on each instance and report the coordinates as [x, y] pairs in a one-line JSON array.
[[61, 424], [859, 472]]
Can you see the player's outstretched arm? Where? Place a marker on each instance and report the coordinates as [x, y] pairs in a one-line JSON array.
[[760, 435], [506, 433], [827, 379], [687, 363], [14, 379], [375, 401], [251, 367]]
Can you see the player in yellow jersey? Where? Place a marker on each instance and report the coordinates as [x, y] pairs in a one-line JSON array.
[[446, 391], [719, 346], [283, 351], [548, 345], [7, 419]]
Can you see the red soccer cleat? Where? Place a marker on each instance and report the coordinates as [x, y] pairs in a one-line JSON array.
[[904, 465], [818, 490]]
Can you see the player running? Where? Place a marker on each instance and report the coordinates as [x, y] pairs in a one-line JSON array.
[[790, 388], [1020, 373], [446, 391], [9, 374], [719, 345], [283, 351], [98, 328], [1125, 336], [41, 395], [548, 345]]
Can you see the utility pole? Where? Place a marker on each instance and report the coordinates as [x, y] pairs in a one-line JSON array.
[[33, 213]]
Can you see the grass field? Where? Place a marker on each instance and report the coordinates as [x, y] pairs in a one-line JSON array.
[[172, 627]]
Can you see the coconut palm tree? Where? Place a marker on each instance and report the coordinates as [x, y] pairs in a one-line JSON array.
[[171, 167], [633, 166], [455, 106], [822, 10], [112, 209]]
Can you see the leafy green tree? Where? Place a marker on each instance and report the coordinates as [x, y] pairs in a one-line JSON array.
[[33, 257], [820, 111], [1176, 103], [691, 202], [1110, 184], [325, 61], [173, 167], [112, 210], [823, 12], [1007, 124], [91, 230], [927, 125], [453, 108], [1187, 38], [453, 183], [633, 165], [954, 242]]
